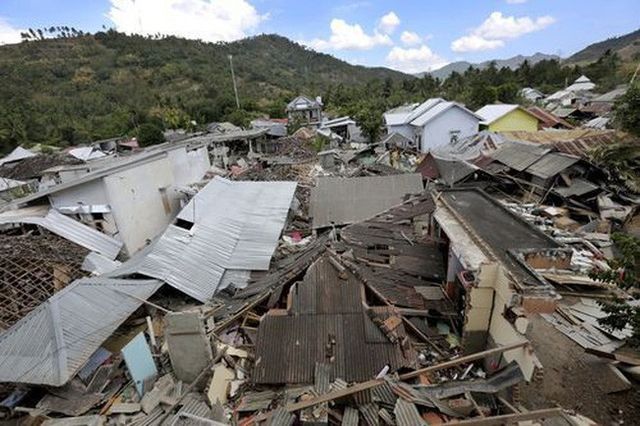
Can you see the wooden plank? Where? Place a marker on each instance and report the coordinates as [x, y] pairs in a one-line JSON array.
[[373, 383], [510, 418], [464, 359], [626, 359]]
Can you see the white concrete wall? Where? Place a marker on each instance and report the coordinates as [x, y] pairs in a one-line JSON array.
[[438, 131], [90, 193], [189, 166], [405, 130], [137, 203]]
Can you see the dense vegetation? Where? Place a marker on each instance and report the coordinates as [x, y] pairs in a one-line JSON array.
[[78, 87], [624, 273]]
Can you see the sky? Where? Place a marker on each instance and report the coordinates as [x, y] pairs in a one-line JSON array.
[[407, 35]]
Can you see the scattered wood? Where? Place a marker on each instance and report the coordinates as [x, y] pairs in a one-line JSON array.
[[510, 418]]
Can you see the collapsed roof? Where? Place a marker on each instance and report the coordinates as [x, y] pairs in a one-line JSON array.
[[339, 201], [228, 225], [327, 326], [54, 341]]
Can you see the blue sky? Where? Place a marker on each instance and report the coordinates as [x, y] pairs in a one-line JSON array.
[[409, 35]]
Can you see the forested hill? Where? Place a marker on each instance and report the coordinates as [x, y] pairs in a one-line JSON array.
[[627, 47], [77, 88], [72, 90]]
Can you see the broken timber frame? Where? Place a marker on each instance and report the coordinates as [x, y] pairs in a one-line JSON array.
[[510, 418], [374, 383]]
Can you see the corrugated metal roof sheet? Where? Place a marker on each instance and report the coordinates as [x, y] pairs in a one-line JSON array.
[[518, 156], [470, 148], [407, 414], [237, 226], [350, 417], [67, 228], [346, 200], [491, 113], [551, 164], [19, 153], [370, 414], [422, 108], [577, 188], [437, 109], [281, 417], [453, 171], [289, 346], [259, 209], [53, 342]]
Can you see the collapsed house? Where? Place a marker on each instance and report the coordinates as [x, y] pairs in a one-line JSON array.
[[106, 196], [290, 286]]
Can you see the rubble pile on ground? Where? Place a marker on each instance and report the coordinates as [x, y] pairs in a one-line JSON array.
[[301, 287]]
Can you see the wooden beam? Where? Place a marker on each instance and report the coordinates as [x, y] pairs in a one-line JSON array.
[[464, 359], [234, 317], [510, 418], [373, 383], [626, 359], [508, 405]]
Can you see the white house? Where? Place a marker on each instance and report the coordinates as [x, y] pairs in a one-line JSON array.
[[531, 94], [576, 92], [305, 110], [131, 199], [433, 123]]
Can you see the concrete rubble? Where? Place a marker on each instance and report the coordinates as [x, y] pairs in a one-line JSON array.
[[277, 294]]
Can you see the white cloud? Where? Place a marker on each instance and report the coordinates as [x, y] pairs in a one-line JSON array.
[[388, 23], [516, 1], [410, 38], [414, 60], [209, 20], [345, 36], [474, 43], [8, 34], [497, 28]]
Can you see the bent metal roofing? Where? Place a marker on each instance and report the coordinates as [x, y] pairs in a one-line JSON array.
[[339, 201], [236, 225], [327, 324], [65, 227], [50, 344]]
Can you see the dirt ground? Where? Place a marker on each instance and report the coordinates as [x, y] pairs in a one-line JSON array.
[[577, 380]]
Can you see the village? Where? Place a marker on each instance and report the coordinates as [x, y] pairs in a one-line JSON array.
[[267, 275]]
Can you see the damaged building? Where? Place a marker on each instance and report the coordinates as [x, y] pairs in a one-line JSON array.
[[279, 285]]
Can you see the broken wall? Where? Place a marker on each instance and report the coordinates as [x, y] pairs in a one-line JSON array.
[[502, 332], [143, 202], [189, 165]]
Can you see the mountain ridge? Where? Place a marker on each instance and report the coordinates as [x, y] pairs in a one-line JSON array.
[[512, 63]]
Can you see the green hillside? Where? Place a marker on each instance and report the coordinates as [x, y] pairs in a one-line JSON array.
[[627, 47], [72, 90]]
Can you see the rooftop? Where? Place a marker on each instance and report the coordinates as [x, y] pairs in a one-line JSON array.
[[339, 201], [503, 231]]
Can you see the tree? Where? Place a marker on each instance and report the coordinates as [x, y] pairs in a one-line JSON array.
[[369, 118], [149, 134], [627, 110], [624, 273], [508, 93], [482, 95]]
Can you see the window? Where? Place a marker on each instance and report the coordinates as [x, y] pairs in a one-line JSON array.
[[454, 136]]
